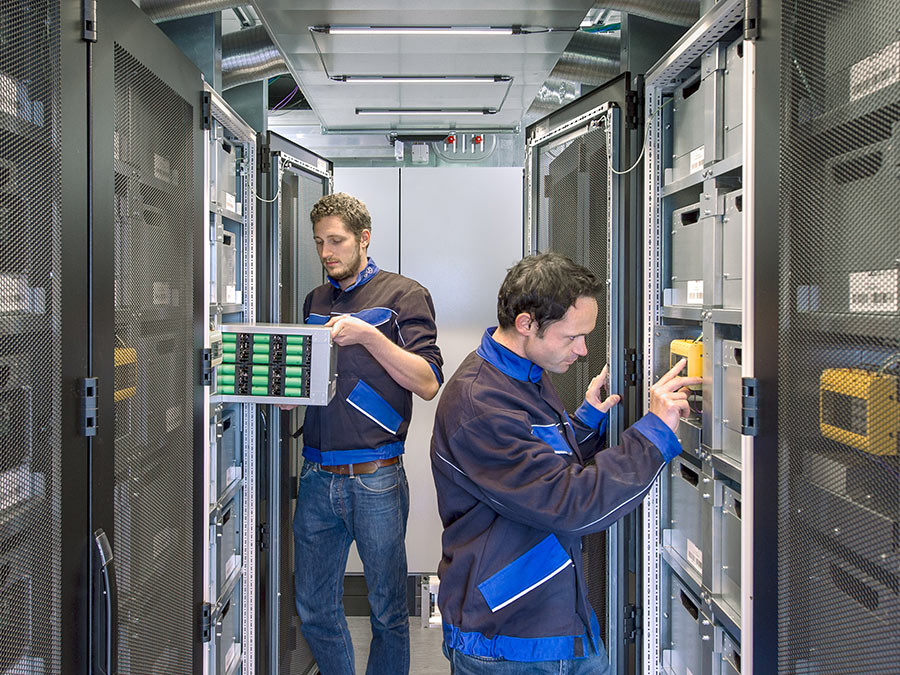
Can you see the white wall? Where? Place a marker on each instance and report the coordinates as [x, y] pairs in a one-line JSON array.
[[459, 231]]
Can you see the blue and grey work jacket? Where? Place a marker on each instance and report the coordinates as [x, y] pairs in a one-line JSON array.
[[515, 495], [369, 415]]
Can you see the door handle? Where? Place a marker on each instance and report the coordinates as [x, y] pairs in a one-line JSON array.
[[105, 603]]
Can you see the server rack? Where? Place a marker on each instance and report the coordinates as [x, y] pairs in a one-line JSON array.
[[295, 179], [575, 187], [708, 597], [838, 509], [230, 470]]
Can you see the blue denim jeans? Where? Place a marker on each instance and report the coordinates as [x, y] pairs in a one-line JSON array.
[[332, 511], [466, 664]]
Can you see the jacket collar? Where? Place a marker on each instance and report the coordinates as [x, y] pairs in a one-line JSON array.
[[368, 273], [506, 361]]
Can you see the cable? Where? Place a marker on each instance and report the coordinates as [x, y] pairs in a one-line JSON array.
[[286, 99], [644, 146], [278, 191]]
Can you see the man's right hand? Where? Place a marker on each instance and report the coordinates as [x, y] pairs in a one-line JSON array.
[[669, 396]]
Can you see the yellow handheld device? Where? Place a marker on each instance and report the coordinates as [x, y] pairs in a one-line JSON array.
[[859, 408], [692, 350]]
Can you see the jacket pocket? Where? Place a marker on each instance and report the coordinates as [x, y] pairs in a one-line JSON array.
[[530, 570], [553, 436], [367, 401]]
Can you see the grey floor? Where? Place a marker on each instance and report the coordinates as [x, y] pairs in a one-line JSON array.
[[425, 657]]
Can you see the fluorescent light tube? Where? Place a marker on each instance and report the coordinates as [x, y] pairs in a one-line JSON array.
[[425, 111]]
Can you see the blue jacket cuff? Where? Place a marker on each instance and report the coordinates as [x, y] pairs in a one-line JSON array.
[[651, 427], [589, 415]]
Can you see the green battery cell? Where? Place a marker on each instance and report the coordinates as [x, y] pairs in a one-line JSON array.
[[261, 370], [293, 359], [257, 381], [293, 371], [225, 389], [229, 347], [229, 337], [225, 378], [259, 391], [260, 348], [293, 349], [261, 337], [226, 369], [294, 339], [261, 358], [293, 382], [293, 391]]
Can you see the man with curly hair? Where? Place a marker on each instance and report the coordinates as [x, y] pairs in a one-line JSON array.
[[352, 484]]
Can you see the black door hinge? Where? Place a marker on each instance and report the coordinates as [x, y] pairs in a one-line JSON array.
[[206, 622], [749, 406], [265, 158], [205, 111], [632, 110], [632, 623], [631, 367], [89, 20], [87, 394], [205, 366], [751, 19], [262, 536]]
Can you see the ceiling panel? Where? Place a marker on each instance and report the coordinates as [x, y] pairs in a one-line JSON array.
[[526, 58]]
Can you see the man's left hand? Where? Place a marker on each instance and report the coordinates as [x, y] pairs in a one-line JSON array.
[[596, 390], [348, 330]]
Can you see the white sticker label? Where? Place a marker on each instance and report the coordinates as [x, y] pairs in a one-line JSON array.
[[322, 165], [161, 168], [697, 159], [874, 291], [13, 293], [695, 555], [161, 294], [229, 294], [239, 208], [695, 292], [173, 419], [875, 72], [229, 201]]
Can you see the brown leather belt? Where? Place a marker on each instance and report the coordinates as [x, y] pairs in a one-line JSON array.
[[362, 467]]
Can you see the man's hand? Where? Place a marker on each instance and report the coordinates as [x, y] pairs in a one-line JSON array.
[[596, 389], [669, 396], [348, 330]]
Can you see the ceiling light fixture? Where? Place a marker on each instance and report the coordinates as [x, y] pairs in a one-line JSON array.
[[426, 111], [418, 30], [422, 79]]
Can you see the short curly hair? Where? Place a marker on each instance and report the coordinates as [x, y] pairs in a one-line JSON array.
[[545, 286], [352, 212]]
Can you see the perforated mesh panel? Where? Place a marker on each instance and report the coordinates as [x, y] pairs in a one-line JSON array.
[[154, 194], [30, 177], [839, 570], [301, 272], [573, 219]]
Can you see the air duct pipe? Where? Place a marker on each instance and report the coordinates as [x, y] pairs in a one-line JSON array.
[[167, 10], [680, 12], [249, 56]]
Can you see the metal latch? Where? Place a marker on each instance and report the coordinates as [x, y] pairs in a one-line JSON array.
[[205, 622]]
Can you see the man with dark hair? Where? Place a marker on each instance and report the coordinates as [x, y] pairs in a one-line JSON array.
[[352, 484], [514, 487]]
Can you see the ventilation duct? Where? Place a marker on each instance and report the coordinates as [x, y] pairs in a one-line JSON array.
[[249, 56], [680, 12], [590, 59], [167, 10]]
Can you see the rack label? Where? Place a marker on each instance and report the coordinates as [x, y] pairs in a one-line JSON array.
[[874, 291], [697, 159], [695, 292], [875, 72]]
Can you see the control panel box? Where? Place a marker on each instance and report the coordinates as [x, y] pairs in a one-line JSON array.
[[278, 364]]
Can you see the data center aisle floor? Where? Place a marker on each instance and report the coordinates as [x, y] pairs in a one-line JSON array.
[[425, 656]]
